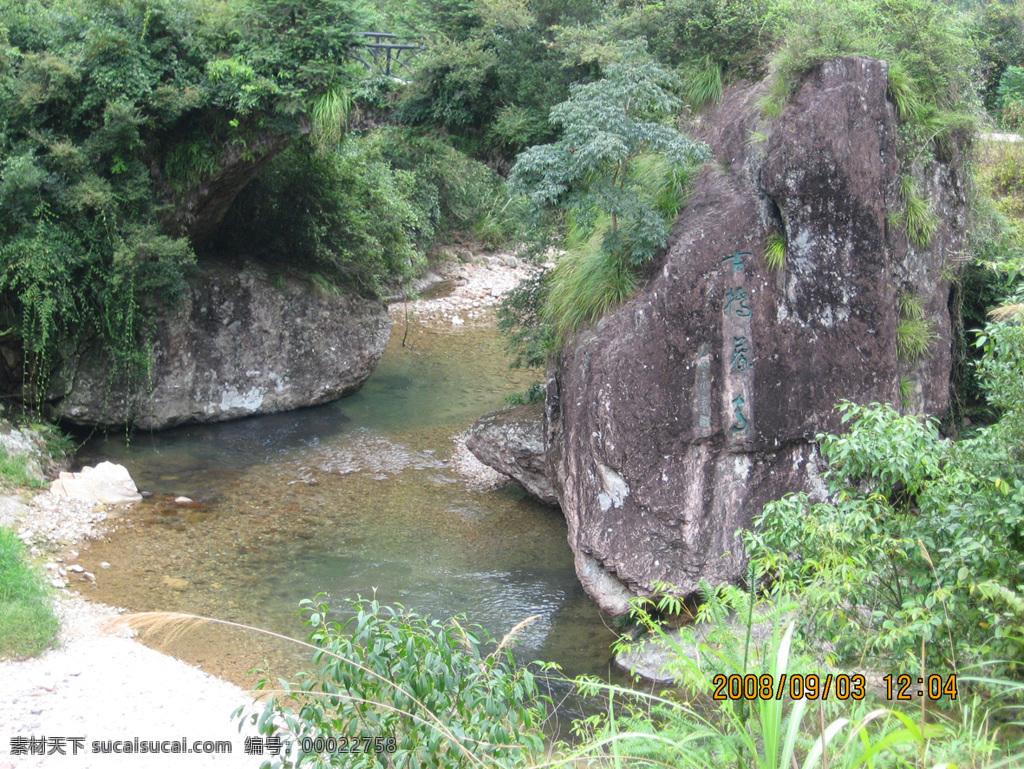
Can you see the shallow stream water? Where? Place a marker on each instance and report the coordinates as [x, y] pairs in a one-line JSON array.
[[350, 498]]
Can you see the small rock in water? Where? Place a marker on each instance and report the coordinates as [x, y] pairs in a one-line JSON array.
[[182, 501], [77, 569], [176, 583], [104, 565]]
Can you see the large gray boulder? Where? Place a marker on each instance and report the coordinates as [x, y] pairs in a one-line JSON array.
[[239, 342], [511, 441], [673, 421]]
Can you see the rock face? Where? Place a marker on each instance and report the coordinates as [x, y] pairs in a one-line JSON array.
[[673, 421], [512, 442], [240, 342]]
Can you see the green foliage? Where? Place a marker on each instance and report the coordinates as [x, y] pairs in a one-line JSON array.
[[915, 332], [597, 173], [429, 685], [722, 40], [934, 66], [343, 213], [528, 338], [917, 217], [775, 251], [14, 470], [489, 75], [999, 34], [462, 198], [703, 84], [27, 623], [644, 730], [113, 109], [913, 526], [588, 281], [535, 393], [907, 387]]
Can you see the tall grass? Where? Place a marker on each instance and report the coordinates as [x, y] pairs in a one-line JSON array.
[[588, 281], [703, 84], [915, 332], [917, 217], [775, 251], [27, 623]]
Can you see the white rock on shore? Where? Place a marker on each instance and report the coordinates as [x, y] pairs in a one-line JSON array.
[[106, 483]]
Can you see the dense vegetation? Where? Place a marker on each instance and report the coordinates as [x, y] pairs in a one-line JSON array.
[[27, 622], [115, 115]]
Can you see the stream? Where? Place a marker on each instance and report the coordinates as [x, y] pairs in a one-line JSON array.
[[349, 498]]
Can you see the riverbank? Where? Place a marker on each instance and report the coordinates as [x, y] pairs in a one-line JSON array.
[[102, 684]]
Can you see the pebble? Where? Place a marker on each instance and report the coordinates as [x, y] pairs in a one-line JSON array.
[[478, 286]]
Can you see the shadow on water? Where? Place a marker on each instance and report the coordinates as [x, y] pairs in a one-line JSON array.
[[350, 499]]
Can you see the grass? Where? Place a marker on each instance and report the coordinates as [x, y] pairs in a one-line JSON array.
[[775, 251], [915, 332], [588, 281], [704, 84], [917, 218], [27, 623], [907, 387], [14, 471], [903, 90]]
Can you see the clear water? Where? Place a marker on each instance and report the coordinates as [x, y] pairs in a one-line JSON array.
[[350, 498]]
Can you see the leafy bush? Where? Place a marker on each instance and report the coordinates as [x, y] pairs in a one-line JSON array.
[[429, 685], [597, 174], [936, 65], [723, 40], [341, 212], [769, 732], [462, 198], [915, 533], [112, 110], [528, 338], [27, 623]]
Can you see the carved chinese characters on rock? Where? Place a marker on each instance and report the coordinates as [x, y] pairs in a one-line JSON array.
[[737, 349]]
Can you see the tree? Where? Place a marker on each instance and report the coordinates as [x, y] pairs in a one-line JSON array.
[[608, 126], [620, 173]]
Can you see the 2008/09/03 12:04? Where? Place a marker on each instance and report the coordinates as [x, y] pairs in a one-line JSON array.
[[840, 686]]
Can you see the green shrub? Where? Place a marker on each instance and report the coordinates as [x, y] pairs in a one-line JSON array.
[[27, 623], [934, 66], [617, 175], [14, 470], [528, 337], [342, 213], [426, 686], [114, 109], [645, 731], [462, 198], [914, 533]]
